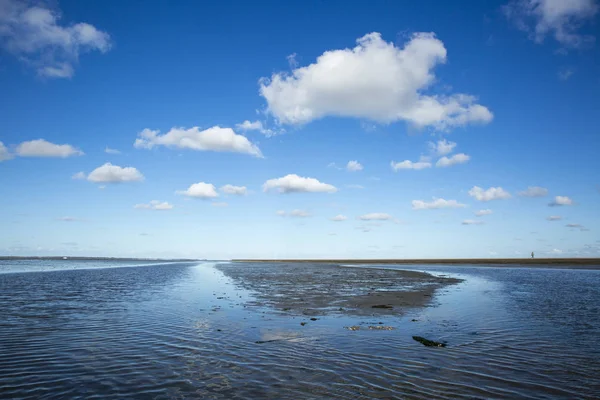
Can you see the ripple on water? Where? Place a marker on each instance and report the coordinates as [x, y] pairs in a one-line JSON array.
[[151, 332]]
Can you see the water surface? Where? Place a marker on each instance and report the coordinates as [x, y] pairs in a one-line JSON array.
[[185, 330]]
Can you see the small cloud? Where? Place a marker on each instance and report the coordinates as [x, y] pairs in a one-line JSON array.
[[108, 150], [534, 191], [234, 190], [555, 251], [68, 219], [577, 226], [78, 176], [407, 164], [375, 217], [554, 218], [442, 147], [281, 213], [456, 159], [109, 173], [294, 213], [565, 73], [293, 183], [472, 222], [257, 126], [493, 193], [334, 165], [354, 166], [212, 139], [43, 148], [355, 186], [155, 205], [561, 201], [339, 218], [200, 190], [481, 213], [436, 204]]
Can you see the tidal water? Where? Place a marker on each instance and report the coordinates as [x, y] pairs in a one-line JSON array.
[[108, 330]]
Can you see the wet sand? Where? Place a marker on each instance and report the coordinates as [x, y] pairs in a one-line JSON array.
[[572, 263], [319, 289]]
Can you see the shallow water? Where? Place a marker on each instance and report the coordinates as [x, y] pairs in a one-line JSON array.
[[182, 330]]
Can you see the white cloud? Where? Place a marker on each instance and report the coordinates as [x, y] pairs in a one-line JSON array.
[[493, 193], [375, 217], [375, 81], [43, 148], [436, 204], [554, 218], [78, 176], [575, 226], [406, 164], [558, 18], [200, 190], [354, 186], [472, 222], [353, 166], [459, 158], [442, 147], [293, 183], [109, 173], [561, 201], [299, 213], [218, 204], [294, 213], [211, 139], [33, 33], [339, 218], [4, 153], [236, 190], [108, 150], [534, 191], [257, 126], [481, 213], [565, 73], [155, 205], [555, 251]]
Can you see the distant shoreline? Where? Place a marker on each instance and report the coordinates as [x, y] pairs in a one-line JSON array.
[[575, 263]]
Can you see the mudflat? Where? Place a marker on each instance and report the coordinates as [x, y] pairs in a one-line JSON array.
[[573, 263], [319, 289]]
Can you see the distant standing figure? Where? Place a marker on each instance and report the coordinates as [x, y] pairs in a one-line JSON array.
[[532, 254]]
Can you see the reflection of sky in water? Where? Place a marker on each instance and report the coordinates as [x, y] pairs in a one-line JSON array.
[[186, 331]]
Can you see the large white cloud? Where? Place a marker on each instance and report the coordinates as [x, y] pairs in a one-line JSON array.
[[32, 32], [436, 204], [493, 193], [558, 18], [407, 164], [4, 153], [459, 158], [354, 166], [293, 183], [236, 190], [534, 191], [561, 201], [109, 173], [375, 217], [200, 190], [155, 205], [43, 148], [211, 139], [375, 80]]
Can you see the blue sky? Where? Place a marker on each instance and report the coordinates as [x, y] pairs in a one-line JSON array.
[[300, 129]]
